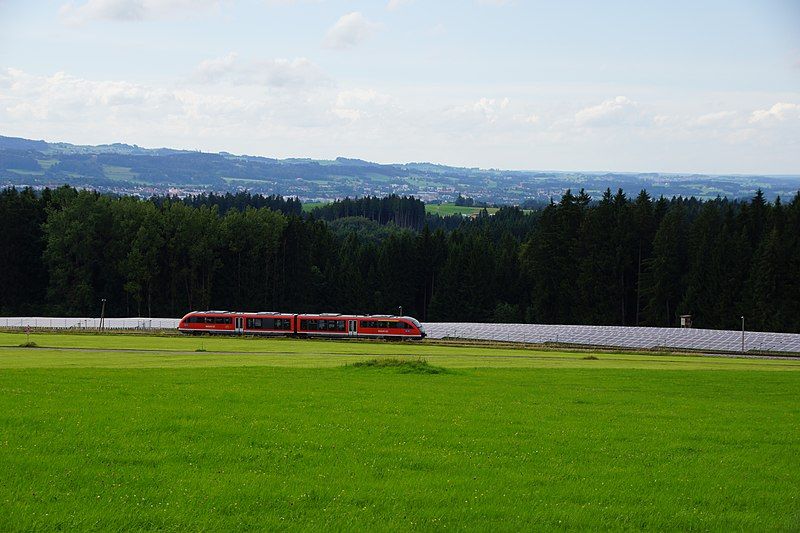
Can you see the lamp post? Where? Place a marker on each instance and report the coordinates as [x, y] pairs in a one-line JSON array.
[[742, 333], [400, 307], [102, 314]]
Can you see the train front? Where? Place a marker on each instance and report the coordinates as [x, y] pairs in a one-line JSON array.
[[418, 326]]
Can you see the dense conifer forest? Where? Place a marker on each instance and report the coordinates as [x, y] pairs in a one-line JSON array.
[[617, 260]]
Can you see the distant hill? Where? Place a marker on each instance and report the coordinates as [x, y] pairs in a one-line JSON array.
[[130, 169]]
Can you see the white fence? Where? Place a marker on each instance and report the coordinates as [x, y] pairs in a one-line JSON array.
[[607, 336]]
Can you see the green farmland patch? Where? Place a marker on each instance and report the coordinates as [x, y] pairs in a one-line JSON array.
[[112, 432], [23, 172], [310, 206], [452, 209], [242, 181], [120, 173]]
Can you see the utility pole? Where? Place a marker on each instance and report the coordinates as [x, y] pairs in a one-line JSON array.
[[102, 314], [742, 333]]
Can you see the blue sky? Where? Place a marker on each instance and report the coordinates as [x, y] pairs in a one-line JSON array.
[[708, 87]]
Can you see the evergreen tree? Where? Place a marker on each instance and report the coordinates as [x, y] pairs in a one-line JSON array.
[[664, 274]]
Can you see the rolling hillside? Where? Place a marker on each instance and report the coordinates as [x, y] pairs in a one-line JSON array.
[[130, 169]]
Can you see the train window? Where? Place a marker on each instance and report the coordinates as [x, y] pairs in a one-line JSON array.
[[220, 320], [340, 325], [209, 320], [309, 325]]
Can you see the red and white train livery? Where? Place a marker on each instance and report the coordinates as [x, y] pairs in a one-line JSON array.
[[305, 325]]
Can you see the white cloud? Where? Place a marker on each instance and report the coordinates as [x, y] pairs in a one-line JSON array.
[[663, 120], [778, 112], [129, 10], [491, 108], [355, 104], [438, 30], [231, 110], [66, 107], [718, 118], [532, 119], [216, 68], [350, 30], [294, 73], [486, 109], [394, 4], [619, 110]]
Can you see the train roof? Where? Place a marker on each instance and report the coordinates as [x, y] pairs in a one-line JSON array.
[[273, 313]]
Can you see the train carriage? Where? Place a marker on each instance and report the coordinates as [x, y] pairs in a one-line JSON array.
[[267, 323], [207, 322]]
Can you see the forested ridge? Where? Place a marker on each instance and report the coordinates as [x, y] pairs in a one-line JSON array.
[[615, 261]]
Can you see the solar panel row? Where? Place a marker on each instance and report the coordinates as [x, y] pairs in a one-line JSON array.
[[620, 336], [89, 323], [607, 336]]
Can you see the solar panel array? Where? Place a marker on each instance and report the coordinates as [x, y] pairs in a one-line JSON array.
[[89, 323], [604, 336], [620, 336]]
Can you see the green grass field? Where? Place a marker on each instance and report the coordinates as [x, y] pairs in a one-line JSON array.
[[144, 432], [452, 209], [310, 206]]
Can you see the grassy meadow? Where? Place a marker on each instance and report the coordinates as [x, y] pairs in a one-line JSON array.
[[146, 432], [453, 209]]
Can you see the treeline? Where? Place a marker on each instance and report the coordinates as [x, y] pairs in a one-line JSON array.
[[402, 211], [239, 201], [617, 260]]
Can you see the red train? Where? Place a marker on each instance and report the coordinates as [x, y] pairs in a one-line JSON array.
[[305, 325]]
